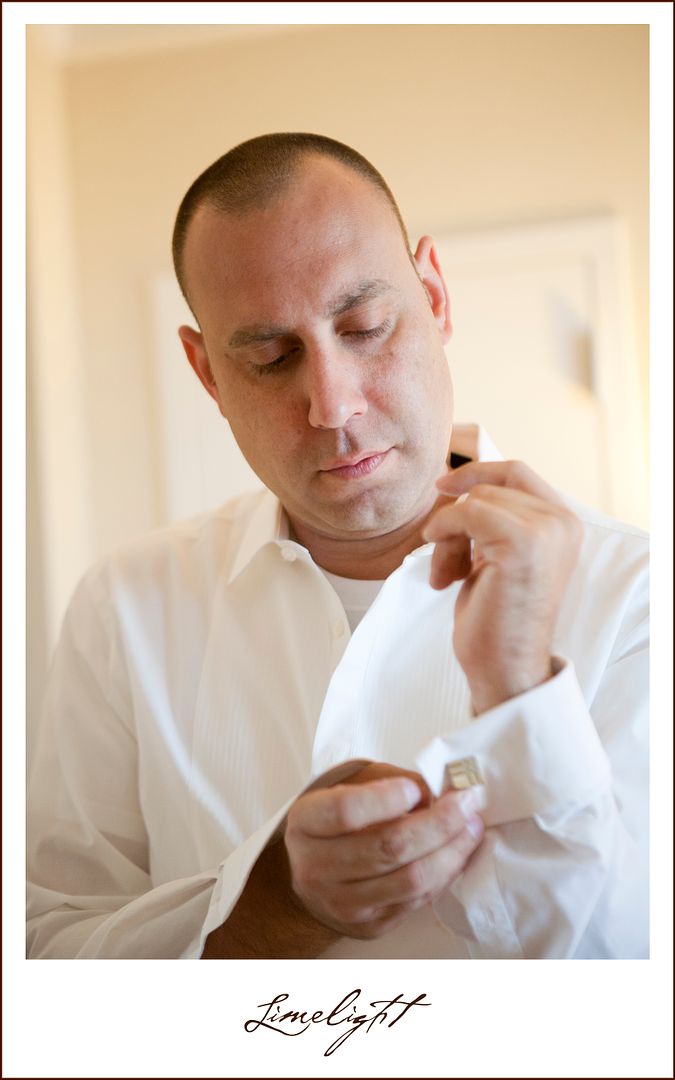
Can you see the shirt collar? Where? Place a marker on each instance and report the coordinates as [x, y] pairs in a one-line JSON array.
[[269, 522]]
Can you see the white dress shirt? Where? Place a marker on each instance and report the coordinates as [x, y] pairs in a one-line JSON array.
[[206, 676]]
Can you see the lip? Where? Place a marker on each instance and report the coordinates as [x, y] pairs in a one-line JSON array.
[[360, 465]]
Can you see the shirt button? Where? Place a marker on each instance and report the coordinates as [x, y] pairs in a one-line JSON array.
[[288, 554], [339, 628]]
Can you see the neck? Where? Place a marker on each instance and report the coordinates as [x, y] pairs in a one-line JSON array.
[[370, 559]]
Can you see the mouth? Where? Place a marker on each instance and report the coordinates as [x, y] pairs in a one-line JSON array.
[[360, 465]]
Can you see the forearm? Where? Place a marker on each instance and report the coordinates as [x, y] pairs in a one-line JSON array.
[[268, 922]]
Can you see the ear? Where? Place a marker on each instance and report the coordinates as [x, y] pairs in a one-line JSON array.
[[431, 276], [195, 350]]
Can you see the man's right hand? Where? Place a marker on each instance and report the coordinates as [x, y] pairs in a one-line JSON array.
[[362, 857]]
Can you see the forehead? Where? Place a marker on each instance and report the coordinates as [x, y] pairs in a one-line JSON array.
[[328, 230]]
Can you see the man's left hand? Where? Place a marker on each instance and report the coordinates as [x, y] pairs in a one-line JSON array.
[[525, 545]]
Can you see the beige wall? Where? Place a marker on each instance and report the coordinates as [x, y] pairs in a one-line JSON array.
[[470, 125], [59, 506]]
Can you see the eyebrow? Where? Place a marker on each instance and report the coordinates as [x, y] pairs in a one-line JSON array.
[[364, 291], [361, 293]]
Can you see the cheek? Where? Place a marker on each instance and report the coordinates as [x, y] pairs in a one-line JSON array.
[[263, 422], [412, 374]]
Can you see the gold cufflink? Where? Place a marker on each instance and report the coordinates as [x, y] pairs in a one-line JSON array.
[[462, 774]]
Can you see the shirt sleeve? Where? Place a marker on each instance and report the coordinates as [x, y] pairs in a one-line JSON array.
[[563, 867], [90, 888]]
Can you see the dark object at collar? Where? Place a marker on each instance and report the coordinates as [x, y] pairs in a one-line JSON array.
[[457, 459]]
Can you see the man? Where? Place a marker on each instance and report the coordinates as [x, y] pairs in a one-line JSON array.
[[225, 771]]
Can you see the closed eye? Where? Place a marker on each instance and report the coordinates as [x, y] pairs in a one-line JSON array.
[[273, 365], [374, 331], [279, 361]]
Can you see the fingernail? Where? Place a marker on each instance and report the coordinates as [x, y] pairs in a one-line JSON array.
[[468, 802], [411, 792], [475, 827]]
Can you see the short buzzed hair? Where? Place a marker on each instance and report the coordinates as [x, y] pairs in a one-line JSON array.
[[253, 173]]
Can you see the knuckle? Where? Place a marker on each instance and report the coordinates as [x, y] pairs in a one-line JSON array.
[[466, 843], [422, 901], [516, 470], [374, 927], [454, 866], [455, 857], [379, 929], [353, 913], [304, 876], [337, 906], [562, 529], [391, 846], [414, 878], [392, 917], [293, 847], [369, 931], [543, 537], [338, 910], [343, 810], [449, 814]]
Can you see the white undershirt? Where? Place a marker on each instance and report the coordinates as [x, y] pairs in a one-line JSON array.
[[356, 596]]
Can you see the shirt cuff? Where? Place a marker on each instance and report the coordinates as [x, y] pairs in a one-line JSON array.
[[536, 751], [234, 872]]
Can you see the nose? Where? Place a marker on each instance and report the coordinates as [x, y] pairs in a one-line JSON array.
[[334, 389]]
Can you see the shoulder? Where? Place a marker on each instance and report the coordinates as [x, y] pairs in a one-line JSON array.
[[610, 547], [606, 607], [188, 557]]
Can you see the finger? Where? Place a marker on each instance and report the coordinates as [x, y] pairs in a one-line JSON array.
[[511, 474], [386, 920], [483, 519], [494, 525], [452, 560], [378, 770], [379, 850], [423, 878], [347, 808], [520, 503], [504, 524]]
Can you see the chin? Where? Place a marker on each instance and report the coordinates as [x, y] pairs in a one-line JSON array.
[[364, 518]]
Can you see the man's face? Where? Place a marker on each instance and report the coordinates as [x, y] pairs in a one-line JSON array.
[[324, 351]]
